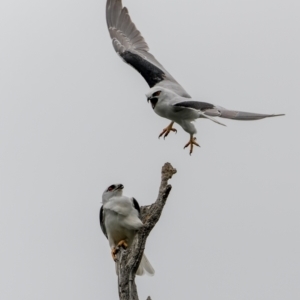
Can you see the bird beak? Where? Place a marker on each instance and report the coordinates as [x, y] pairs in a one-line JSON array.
[[120, 187], [153, 101], [148, 99]]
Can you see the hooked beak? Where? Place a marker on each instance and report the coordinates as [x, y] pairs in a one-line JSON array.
[[120, 187], [153, 101]]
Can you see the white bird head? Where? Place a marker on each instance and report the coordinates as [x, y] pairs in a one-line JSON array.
[[112, 191], [158, 94]]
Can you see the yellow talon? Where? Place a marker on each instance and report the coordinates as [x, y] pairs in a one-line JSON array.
[[167, 130], [191, 143], [123, 244], [114, 252]]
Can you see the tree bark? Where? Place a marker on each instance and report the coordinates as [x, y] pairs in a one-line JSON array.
[[128, 260]]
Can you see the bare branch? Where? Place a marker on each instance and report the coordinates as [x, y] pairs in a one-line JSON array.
[[129, 260]]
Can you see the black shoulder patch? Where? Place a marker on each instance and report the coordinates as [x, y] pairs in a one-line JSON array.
[[150, 72], [102, 225], [195, 105], [136, 205]]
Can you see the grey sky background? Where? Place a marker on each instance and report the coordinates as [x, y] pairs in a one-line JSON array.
[[74, 119]]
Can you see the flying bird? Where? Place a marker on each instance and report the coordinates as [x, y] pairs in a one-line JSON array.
[[120, 221], [167, 97]]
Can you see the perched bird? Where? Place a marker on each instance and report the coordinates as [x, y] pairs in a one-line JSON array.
[[120, 221], [168, 98]]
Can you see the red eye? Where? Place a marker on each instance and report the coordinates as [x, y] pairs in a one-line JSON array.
[[156, 94], [111, 188]]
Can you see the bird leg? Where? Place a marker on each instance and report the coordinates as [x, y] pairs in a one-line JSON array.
[[115, 250], [167, 130], [123, 244], [191, 143]]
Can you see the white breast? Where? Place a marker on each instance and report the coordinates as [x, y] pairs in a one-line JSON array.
[[121, 220]]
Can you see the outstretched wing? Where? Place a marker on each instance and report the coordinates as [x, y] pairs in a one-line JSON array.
[[131, 46], [102, 224]]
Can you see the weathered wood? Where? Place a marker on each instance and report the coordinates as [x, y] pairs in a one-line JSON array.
[[129, 260]]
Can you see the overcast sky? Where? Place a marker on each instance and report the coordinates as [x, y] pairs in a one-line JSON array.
[[74, 119]]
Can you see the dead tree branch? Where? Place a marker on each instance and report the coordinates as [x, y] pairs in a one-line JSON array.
[[129, 260]]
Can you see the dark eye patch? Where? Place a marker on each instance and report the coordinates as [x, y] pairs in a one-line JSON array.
[[154, 102], [112, 187], [156, 94]]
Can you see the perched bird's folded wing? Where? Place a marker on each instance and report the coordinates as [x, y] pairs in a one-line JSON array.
[[136, 206], [131, 46], [102, 224]]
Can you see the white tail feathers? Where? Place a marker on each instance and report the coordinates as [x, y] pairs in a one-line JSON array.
[[237, 115], [144, 268], [210, 118], [244, 116]]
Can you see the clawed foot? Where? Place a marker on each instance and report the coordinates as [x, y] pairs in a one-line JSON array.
[[123, 244], [115, 250], [191, 143], [167, 130], [114, 254]]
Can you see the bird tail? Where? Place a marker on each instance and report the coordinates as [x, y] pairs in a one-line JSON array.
[[205, 115], [237, 115], [145, 267]]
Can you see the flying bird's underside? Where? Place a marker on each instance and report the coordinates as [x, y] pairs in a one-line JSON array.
[[168, 98]]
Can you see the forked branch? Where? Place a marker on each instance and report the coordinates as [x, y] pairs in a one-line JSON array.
[[129, 260]]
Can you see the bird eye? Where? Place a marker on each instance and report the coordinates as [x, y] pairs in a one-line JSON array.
[[112, 187], [156, 94]]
